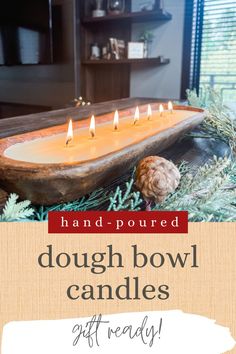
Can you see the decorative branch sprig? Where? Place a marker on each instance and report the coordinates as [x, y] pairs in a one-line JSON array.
[[209, 195], [93, 201], [220, 121], [14, 211], [125, 200]]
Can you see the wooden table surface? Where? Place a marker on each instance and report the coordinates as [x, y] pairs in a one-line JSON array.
[[196, 151], [31, 122]]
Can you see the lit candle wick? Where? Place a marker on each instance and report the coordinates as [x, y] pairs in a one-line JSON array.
[[136, 116], [170, 107], [116, 120], [92, 126], [149, 112], [161, 110], [69, 136]]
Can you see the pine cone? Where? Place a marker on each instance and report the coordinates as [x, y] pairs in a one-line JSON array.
[[156, 177]]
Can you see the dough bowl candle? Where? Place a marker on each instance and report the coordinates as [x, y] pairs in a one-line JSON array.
[[63, 163]]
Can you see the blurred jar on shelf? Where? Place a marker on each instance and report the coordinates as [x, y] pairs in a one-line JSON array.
[[95, 52], [115, 7], [98, 10]]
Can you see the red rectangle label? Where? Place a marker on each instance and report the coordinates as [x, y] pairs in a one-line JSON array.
[[84, 222]]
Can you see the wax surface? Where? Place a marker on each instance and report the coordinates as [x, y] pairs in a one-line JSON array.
[[52, 149]]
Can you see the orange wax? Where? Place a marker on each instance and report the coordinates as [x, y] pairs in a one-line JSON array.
[[52, 149]]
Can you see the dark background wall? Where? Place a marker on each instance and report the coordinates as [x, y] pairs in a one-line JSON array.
[[47, 85]]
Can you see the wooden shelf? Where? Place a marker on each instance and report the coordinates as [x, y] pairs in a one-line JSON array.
[[147, 61], [107, 80], [133, 16]]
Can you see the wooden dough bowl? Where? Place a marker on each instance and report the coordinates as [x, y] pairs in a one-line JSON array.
[[50, 183]]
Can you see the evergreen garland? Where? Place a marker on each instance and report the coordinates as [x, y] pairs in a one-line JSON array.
[[209, 194]]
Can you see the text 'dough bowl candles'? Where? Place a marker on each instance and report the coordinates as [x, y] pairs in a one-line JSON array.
[[65, 162]]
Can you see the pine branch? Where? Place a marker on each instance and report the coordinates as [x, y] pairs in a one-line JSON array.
[[14, 211], [92, 201], [125, 200], [209, 195], [220, 121]]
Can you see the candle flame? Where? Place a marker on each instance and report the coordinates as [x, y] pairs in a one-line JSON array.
[[170, 106], [116, 120], [136, 115], [69, 136], [149, 112], [92, 126], [161, 109]]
